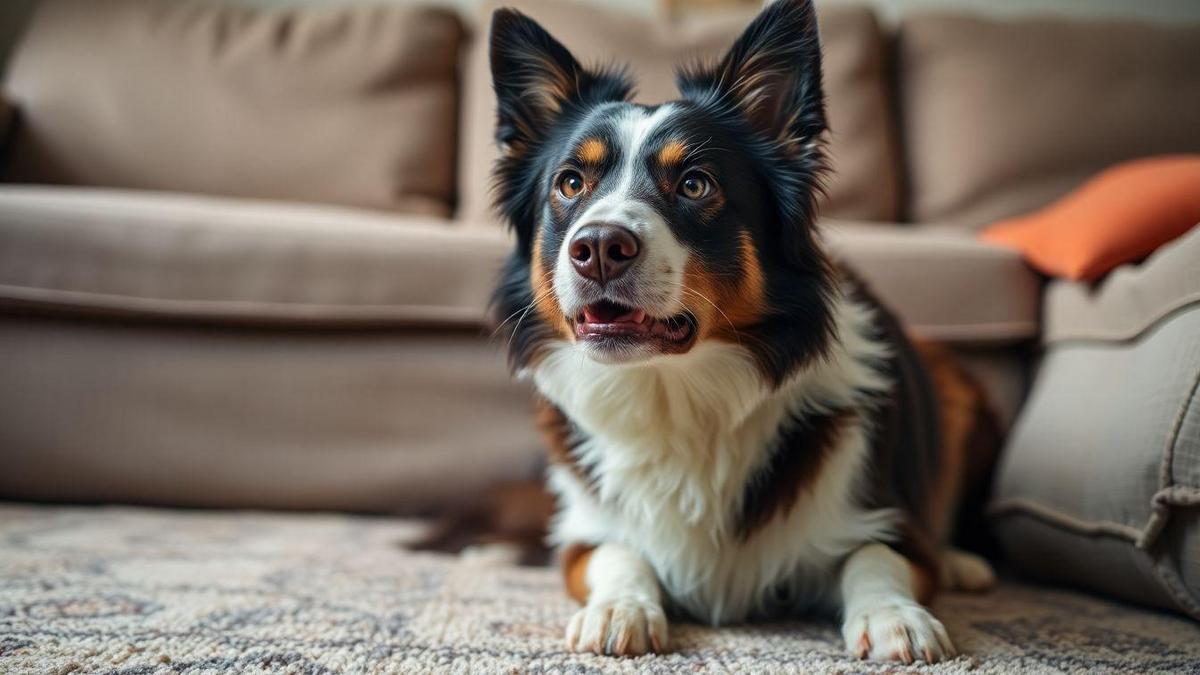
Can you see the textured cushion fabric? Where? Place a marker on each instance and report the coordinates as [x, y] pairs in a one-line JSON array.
[[224, 259], [403, 419], [1100, 481], [865, 183], [1129, 302], [1120, 216], [350, 104], [137, 590], [1001, 117], [248, 261], [945, 284]]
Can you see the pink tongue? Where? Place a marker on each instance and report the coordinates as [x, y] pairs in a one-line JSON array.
[[632, 316]]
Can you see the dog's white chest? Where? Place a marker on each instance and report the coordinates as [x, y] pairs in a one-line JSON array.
[[668, 452]]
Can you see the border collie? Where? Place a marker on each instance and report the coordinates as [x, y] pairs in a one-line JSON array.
[[736, 428]]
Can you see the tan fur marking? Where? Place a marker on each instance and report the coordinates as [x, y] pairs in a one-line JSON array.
[[963, 414], [575, 559], [592, 151], [545, 301], [553, 87], [724, 304], [672, 153]]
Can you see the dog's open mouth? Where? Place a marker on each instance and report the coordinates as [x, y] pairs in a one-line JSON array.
[[607, 320]]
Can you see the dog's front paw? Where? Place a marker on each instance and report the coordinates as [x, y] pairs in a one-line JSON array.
[[903, 631], [618, 627]]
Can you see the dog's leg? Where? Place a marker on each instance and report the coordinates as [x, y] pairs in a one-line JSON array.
[[882, 617], [622, 611]]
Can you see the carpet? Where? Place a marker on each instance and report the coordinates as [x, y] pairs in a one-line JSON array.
[[124, 590]]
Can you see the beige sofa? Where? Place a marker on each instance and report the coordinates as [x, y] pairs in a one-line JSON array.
[[245, 254]]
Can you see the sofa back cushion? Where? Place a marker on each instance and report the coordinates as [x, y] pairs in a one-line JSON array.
[[864, 183], [1001, 117], [351, 104]]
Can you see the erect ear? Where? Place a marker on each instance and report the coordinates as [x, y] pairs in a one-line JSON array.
[[771, 75], [536, 78]]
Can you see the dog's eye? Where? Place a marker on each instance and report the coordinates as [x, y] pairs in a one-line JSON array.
[[570, 184], [695, 185]]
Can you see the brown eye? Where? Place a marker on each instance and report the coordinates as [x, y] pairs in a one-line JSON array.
[[570, 184], [695, 185]]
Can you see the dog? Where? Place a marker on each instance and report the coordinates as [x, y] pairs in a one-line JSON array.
[[737, 429]]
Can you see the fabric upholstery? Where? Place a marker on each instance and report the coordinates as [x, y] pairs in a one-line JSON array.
[[253, 262], [864, 184], [1002, 116], [407, 420], [1101, 478], [348, 104], [138, 590], [342, 351], [1127, 303], [1121, 215], [945, 284], [243, 261]]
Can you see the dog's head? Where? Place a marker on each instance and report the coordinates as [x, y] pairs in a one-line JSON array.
[[645, 230]]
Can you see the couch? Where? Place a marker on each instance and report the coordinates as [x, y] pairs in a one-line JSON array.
[[245, 253]]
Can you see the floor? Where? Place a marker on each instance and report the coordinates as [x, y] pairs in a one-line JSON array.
[[123, 590]]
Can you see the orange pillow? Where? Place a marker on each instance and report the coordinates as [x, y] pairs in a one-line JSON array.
[[1121, 215]]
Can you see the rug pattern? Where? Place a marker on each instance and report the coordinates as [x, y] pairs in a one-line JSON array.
[[142, 591]]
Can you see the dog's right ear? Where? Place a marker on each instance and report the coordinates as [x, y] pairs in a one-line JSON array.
[[536, 79]]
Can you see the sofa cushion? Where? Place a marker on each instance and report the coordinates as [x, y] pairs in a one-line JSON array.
[[1001, 117], [946, 285], [864, 184], [195, 414], [236, 260], [349, 104], [223, 259], [1101, 478]]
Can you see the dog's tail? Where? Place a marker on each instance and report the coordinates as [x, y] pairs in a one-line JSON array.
[[514, 516]]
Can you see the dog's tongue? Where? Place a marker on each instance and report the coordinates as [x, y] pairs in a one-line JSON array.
[[605, 313]]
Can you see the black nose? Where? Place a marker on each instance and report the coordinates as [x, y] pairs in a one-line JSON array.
[[603, 251]]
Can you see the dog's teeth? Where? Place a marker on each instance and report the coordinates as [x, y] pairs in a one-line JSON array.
[[637, 316]]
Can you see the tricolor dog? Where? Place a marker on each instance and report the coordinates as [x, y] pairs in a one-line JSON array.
[[737, 429]]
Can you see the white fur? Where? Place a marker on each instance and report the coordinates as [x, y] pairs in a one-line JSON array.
[[624, 613], [672, 441], [882, 618]]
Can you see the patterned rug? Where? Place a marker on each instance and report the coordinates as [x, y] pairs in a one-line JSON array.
[[120, 590]]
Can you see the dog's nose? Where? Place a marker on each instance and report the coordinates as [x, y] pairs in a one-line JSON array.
[[603, 251]]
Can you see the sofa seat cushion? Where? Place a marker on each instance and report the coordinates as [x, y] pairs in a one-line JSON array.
[[946, 284], [863, 145], [345, 103], [1100, 483], [1002, 116], [240, 260], [254, 261]]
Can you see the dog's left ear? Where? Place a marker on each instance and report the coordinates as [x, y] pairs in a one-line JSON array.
[[771, 75]]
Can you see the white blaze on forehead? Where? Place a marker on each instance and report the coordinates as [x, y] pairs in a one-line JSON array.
[[659, 276], [633, 128]]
